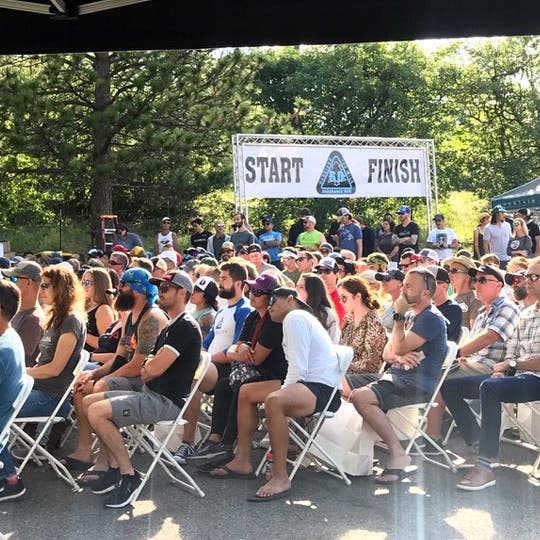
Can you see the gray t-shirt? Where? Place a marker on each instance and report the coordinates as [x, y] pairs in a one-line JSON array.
[[28, 324], [56, 386], [244, 238]]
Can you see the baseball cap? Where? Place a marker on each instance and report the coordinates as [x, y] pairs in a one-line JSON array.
[[509, 278], [25, 269], [210, 261], [440, 273], [240, 249], [487, 269], [227, 245], [464, 261], [377, 258], [5, 262], [369, 276], [138, 251], [403, 209], [208, 286], [337, 257], [166, 218], [425, 253], [95, 252], [326, 246], [310, 219], [391, 274], [138, 280], [438, 217], [327, 262], [252, 248], [161, 264], [286, 254], [525, 212], [284, 292], [265, 282], [16, 260], [189, 265], [177, 277], [343, 212], [498, 208], [170, 255], [120, 247], [267, 218]]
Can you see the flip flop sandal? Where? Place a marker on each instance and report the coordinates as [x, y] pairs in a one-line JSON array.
[[230, 474], [274, 497]]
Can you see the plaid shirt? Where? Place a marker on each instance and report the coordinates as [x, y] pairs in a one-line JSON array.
[[525, 341], [502, 318]]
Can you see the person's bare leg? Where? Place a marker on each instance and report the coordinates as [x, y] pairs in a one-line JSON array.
[[435, 419], [249, 396], [366, 403], [83, 450], [294, 400]]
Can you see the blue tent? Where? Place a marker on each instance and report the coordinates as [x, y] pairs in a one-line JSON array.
[[525, 196]]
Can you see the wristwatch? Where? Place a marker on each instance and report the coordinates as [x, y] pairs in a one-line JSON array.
[[399, 317], [512, 363]]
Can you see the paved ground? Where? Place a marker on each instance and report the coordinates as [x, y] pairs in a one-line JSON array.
[[320, 507]]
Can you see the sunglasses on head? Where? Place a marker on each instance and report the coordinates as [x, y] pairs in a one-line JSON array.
[[258, 292]]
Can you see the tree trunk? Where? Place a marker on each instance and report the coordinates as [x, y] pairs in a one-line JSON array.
[[101, 194]]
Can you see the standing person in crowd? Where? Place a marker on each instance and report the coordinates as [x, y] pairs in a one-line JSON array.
[[11, 380], [214, 246], [96, 282], [204, 298], [312, 291], [28, 321], [327, 268], [200, 236], [362, 329], [311, 238], [532, 227], [297, 227], [126, 239], [462, 284], [407, 232], [165, 237], [386, 242], [288, 260], [349, 233], [478, 235], [391, 282], [497, 235], [368, 237], [521, 243], [442, 238], [270, 241], [242, 234]]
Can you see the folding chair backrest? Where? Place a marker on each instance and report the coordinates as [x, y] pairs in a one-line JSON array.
[[464, 335], [22, 396], [451, 352], [200, 372], [344, 355]]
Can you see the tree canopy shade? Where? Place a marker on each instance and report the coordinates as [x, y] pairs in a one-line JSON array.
[[173, 24], [525, 196]]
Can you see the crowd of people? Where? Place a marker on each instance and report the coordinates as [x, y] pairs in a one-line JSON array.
[[269, 312]]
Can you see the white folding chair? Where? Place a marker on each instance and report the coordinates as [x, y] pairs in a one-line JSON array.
[[464, 335], [22, 396], [304, 435], [421, 420], [36, 451], [157, 448]]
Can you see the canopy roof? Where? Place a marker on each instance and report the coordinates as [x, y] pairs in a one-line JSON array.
[[525, 196], [41, 26]]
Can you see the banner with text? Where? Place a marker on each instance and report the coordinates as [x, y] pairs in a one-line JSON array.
[[296, 170]]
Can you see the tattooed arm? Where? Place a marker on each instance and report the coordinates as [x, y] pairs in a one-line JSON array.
[[149, 329]]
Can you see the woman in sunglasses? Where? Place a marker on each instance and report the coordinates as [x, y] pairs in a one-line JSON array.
[[96, 281], [520, 245]]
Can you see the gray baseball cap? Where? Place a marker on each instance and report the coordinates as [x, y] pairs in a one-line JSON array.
[[25, 269], [178, 277]]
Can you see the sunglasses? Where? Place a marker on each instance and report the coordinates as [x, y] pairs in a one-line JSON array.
[[164, 287], [14, 279], [326, 271], [167, 222], [402, 265], [44, 286], [258, 292], [532, 277], [86, 283], [301, 258], [115, 263], [483, 280], [456, 271]]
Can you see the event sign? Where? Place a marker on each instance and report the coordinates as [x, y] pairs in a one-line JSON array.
[[298, 170]]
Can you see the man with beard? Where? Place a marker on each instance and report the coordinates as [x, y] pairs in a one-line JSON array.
[[139, 333], [167, 378], [225, 332]]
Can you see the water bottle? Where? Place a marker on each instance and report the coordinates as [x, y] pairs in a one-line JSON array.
[[268, 465]]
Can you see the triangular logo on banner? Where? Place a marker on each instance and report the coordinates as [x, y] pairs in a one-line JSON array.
[[336, 179]]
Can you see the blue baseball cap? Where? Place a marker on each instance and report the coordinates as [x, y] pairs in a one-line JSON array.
[[499, 208], [404, 209], [138, 279]]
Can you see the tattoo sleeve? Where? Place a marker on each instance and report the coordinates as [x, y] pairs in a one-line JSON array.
[[147, 335]]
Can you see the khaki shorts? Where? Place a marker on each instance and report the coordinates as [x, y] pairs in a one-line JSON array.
[[468, 369]]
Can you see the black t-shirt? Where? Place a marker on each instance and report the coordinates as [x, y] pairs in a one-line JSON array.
[[454, 315], [183, 336], [405, 232], [200, 239], [368, 241], [534, 231], [271, 337]]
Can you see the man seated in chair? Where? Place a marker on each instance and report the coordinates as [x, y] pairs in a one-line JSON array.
[[312, 375], [416, 352], [523, 355], [167, 381]]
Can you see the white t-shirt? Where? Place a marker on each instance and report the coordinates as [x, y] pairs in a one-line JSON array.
[[499, 236], [439, 236], [224, 327], [309, 350]]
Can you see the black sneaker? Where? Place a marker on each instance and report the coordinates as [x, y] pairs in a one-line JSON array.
[[106, 483], [210, 450], [11, 491], [124, 493]]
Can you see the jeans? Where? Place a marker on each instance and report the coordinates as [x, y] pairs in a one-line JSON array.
[[492, 392]]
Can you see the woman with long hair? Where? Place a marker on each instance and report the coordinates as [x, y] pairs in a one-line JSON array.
[[478, 235], [312, 291], [520, 245], [96, 281], [362, 329], [386, 242], [62, 343]]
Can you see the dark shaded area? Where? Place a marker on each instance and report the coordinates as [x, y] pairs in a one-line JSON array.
[[172, 24]]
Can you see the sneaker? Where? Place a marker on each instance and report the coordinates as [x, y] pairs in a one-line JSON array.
[[106, 483], [184, 451], [209, 450], [479, 478], [124, 492], [11, 491]]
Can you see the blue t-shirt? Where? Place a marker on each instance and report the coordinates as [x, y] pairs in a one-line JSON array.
[[430, 325], [11, 372], [348, 235], [270, 236]]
